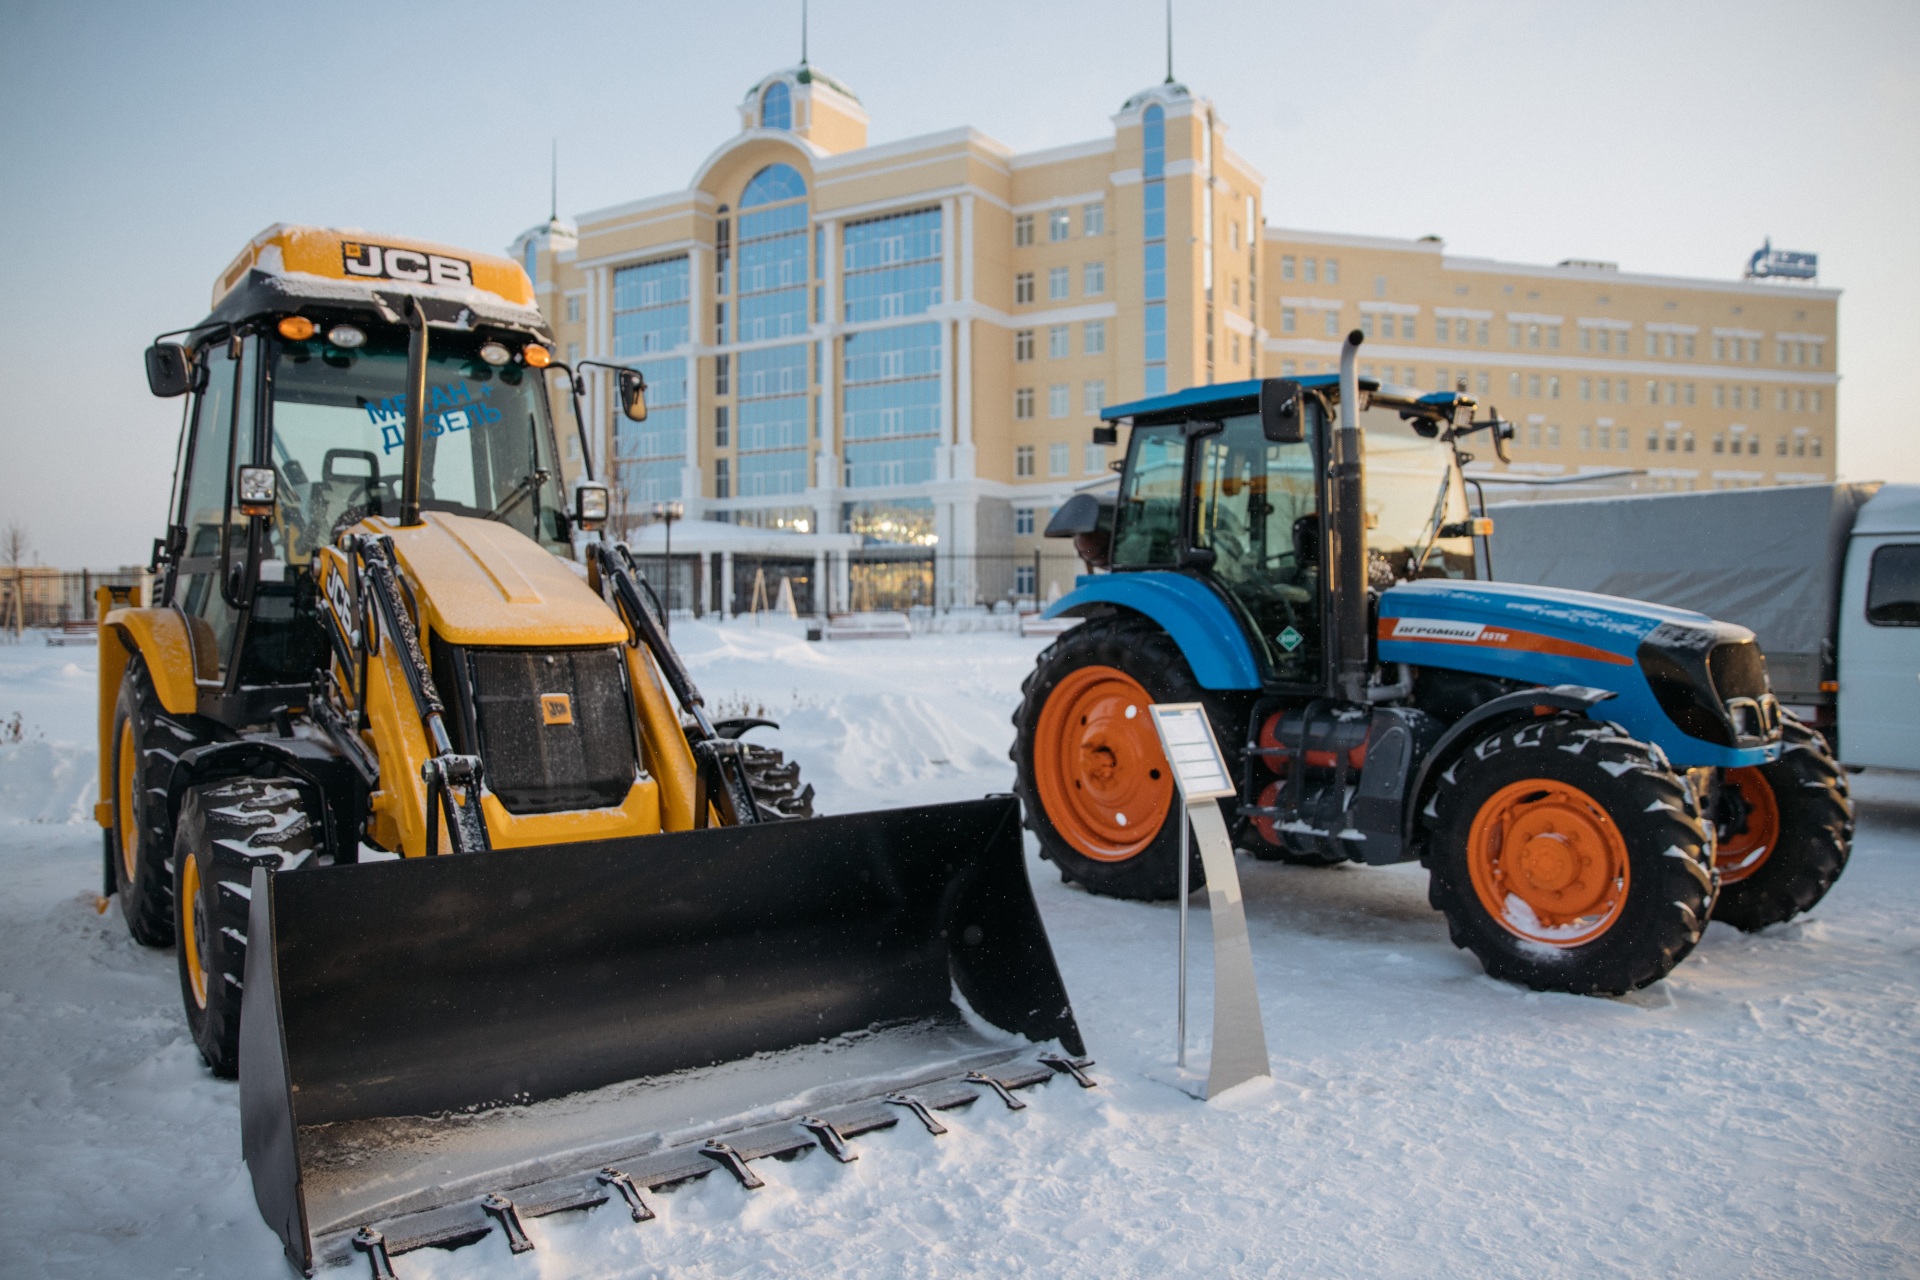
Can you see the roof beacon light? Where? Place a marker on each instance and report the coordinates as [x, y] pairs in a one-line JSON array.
[[345, 335], [537, 356], [494, 353], [296, 328]]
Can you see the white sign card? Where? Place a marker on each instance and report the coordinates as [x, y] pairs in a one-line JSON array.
[[1199, 770]]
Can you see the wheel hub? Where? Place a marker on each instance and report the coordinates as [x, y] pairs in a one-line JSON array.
[[1748, 826], [1548, 863], [1098, 764]]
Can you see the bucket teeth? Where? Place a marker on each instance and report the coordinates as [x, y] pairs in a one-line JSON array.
[[612, 1177], [1067, 1066], [1005, 1094], [829, 1138], [732, 1161], [919, 1110], [374, 1245], [501, 1209]]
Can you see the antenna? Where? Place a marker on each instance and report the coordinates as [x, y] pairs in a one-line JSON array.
[[803, 32], [555, 190], [1169, 41]]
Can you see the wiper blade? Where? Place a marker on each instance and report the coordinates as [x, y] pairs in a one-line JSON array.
[[529, 483]]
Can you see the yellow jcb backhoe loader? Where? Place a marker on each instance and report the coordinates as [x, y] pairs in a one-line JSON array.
[[614, 951]]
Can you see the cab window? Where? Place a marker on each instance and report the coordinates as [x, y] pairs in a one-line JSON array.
[[1147, 522]]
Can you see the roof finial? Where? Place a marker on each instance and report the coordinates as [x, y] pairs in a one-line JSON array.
[[803, 32], [554, 215], [1169, 41]]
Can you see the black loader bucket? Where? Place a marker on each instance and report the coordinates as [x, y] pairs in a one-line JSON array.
[[427, 1044]]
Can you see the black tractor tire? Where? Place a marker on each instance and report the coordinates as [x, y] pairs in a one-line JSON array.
[[145, 742], [777, 789], [1584, 799], [227, 828], [1146, 655], [1812, 840]]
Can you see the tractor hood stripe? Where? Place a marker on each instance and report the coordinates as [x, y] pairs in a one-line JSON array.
[[1439, 631]]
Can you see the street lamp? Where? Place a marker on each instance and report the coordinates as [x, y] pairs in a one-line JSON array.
[[669, 512]]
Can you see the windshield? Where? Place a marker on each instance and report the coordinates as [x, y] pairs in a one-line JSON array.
[[339, 432], [1412, 488]]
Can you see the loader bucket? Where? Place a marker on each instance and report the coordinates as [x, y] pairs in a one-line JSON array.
[[420, 1032]]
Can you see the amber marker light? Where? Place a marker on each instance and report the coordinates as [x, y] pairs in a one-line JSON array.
[[536, 355], [296, 328]]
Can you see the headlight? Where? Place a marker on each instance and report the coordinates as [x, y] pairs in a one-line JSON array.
[[494, 353], [345, 335], [256, 491], [590, 503]]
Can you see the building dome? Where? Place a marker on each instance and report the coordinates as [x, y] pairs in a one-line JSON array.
[[1167, 92]]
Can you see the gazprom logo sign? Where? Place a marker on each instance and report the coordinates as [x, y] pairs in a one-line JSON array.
[[1769, 263]]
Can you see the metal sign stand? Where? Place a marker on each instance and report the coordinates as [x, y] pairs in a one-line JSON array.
[[1200, 773]]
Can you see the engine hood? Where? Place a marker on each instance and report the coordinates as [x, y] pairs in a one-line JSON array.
[[481, 582], [1514, 618]]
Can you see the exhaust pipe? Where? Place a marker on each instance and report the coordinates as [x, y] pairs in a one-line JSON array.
[[416, 418], [1348, 533]]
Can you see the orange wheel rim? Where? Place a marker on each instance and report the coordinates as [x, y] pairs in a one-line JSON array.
[[192, 921], [128, 765], [1099, 767], [1736, 857], [1548, 863]]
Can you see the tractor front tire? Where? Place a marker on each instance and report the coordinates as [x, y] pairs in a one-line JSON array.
[[1093, 782], [145, 742], [1568, 856], [777, 789], [226, 829], [1794, 837]]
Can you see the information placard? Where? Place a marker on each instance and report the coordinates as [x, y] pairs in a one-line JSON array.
[[1199, 770]]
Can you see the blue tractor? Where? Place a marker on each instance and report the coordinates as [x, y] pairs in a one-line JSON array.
[[1587, 779]]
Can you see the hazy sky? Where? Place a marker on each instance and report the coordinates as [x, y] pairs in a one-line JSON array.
[[142, 144]]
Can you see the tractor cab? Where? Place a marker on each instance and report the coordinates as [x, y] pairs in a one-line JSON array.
[[1208, 491]]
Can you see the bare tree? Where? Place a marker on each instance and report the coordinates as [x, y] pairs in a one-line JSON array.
[[14, 545]]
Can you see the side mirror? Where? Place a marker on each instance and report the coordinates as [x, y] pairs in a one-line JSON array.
[[591, 503], [633, 395], [169, 370], [1282, 418], [1106, 433]]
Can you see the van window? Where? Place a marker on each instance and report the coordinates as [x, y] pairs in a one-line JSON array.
[[1893, 586]]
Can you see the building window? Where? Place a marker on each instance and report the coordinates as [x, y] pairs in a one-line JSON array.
[[722, 374], [1093, 279], [1059, 402], [1310, 269], [1236, 348], [1059, 342], [1686, 442], [1720, 443], [1023, 345], [650, 308], [1093, 395], [1057, 459], [1059, 224], [1286, 266], [1023, 580], [1620, 389], [720, 425], [1023, 288], [573, 310], [1482, 381], [1023, 457], [1480, 332], [1814, 397], [722, 478], [1553, 436], [1022, 230], [1533, 385], [1155, 282], [1333, 270], [1553, 388], [1288, 320], [1093, 219], [1023, 522], [1023, 404], [892, 266], [1586, 437], [776, 107], [573, 353], [1406, 327], [1093, 459], [1586, 385], [1093, 337], [1513, 384], [1553, 337], [1059, 284], [1332, 319], [1289, 369], [1687, 394]]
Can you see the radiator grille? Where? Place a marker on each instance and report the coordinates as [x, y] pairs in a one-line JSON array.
[[539, 759]]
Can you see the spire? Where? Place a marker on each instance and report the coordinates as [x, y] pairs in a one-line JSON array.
[[1169, 40], [554, 215], [803, 32]]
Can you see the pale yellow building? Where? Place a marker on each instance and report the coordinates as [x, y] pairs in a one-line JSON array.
[[904, 346]]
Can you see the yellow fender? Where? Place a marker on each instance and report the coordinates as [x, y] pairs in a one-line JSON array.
[[161, 637]]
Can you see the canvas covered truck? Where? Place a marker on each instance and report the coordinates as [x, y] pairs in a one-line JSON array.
[[1827, 576], [488, 915], [1588, 779]]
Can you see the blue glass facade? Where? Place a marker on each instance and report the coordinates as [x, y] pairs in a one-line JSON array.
[[891, 417], [772, 273], [771, 421], [650, 313], [892, 266], [649, 454], [1153, 186]]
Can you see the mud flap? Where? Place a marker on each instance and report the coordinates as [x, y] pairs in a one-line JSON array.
[[417, 1031]]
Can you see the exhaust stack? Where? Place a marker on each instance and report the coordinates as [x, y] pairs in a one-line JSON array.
[[1348, 534]]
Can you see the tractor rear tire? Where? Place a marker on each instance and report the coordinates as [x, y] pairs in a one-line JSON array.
[[1093, 783], [145, 742], [777, 788], [1569, 857], [1798, 834], [226, 829]]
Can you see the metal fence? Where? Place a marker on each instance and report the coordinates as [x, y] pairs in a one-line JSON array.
[[928, 582], [34, 597]]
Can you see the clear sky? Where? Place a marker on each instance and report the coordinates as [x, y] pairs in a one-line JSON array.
[[142, 144]]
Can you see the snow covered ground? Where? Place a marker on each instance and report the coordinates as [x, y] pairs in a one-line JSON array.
[[1756, 1114]]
